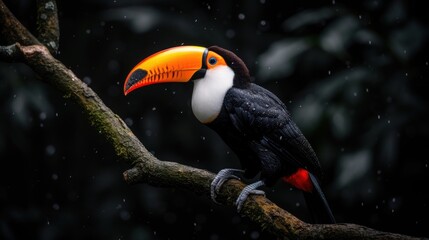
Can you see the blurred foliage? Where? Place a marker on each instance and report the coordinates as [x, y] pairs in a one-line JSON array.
[[353, 75]]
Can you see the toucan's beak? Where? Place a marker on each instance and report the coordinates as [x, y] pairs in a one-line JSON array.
[[177, 64]]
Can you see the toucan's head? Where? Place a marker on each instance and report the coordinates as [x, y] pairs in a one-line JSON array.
[[186, 63]]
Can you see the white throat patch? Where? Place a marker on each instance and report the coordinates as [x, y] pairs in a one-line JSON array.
[[209, 92]]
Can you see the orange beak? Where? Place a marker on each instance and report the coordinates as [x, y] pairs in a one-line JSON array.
[[177, 64]]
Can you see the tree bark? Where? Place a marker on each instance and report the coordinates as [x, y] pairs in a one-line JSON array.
[[145, 167]]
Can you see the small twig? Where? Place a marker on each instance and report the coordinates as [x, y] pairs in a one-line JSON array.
[[48, 30]]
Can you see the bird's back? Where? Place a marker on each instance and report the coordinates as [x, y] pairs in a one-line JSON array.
[[257, 127]]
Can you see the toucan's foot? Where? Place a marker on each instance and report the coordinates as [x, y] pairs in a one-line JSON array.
[[249, 189], [221, 178]]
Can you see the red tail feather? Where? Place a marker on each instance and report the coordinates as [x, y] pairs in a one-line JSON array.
[[300, 179]]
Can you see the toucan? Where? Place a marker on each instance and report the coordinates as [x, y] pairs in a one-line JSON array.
[[251, 120]]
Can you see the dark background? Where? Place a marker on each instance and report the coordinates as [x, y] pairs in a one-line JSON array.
[[354, 76]]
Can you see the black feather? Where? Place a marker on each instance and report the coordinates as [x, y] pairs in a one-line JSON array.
[[258, 128]]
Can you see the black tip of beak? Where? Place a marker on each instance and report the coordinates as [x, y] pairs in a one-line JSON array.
[[135, 77]]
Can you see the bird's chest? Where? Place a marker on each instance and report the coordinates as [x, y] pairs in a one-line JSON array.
[[207, 99]]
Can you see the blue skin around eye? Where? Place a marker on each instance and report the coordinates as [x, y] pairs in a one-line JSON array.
[[212, 61]]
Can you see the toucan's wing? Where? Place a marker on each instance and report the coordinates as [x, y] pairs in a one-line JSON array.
[[261, 117]]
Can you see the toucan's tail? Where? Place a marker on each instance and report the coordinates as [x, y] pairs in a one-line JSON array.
[[317, 204]]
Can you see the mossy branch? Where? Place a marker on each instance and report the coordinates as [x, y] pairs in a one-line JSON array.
[[145, 167]]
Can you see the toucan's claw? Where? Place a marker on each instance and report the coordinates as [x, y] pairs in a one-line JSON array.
[[220, 179], [249, 189]]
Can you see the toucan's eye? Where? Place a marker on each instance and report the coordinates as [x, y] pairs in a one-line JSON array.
[[212, 61]]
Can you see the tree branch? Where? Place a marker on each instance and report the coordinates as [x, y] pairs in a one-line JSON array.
[[147, 168], [48, 29], [12, 31]]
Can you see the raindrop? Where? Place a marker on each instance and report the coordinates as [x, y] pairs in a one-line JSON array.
[[393, 200], [208, 7], [333, 2], [388, 121], [406, 74], [378, 116], [50, 150], [262, 1], [42, 116], [263, 23], [124, 215], [55, 206], [230, 33], [366, 90], [154, 109], [203, 138], [369, 42], [254, 235], [361, 204], [88, 31], [48, 222], [297, 204], [241, 16], [87, 80], [113, 65], [129, 121], [195, 224], [196, 20], [360, 16], [56, 114], [329, 72], [355, 94], [54, 176], [214, 237]]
